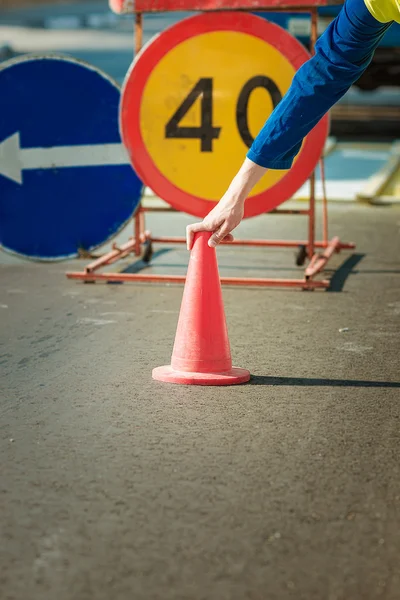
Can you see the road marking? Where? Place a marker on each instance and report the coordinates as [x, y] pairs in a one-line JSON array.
[[120, 313], [352, 347], [94, 321]]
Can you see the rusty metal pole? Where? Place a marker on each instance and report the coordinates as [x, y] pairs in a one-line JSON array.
[[138, 32], [139, 224], [324, 202], [311, 221]]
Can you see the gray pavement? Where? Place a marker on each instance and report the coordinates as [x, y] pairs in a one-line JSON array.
[[117, 487], [86, 30]]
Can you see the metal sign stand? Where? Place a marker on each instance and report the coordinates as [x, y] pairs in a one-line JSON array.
[[142, 242]]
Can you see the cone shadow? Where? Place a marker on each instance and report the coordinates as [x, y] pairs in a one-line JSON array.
[[308, 382]]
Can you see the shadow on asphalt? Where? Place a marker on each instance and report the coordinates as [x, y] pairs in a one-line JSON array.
[[340, 275], [141, 264], [306, 382], [337, 281]]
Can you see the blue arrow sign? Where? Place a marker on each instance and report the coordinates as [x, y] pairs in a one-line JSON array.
[[66, 183]]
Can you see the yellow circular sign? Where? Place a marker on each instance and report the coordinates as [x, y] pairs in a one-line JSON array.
[[223, 62], [196, 98]]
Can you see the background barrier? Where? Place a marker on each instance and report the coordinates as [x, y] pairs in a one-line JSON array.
[[153, 165]]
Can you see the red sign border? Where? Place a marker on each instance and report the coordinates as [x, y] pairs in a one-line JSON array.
[[131, 97]]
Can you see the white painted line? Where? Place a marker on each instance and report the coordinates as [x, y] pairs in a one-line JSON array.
[[94, 321], [119, 313], [359, 153], [353, 347], [341, 190]]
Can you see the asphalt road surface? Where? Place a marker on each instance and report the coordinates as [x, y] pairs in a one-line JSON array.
[[114, 486]]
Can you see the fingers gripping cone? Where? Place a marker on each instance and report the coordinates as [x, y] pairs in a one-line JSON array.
[[201, 354]]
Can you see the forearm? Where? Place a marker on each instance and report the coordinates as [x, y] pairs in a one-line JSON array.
[[343, 52], [247, 177]]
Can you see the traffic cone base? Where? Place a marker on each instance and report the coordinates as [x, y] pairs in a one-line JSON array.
[[168, 375]]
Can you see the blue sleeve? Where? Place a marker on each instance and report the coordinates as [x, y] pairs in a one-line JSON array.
[[342, 54]]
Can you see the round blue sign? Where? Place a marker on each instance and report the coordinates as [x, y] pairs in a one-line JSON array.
[[66, 182]]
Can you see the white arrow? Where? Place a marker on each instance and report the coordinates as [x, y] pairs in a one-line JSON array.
[[14, 159]]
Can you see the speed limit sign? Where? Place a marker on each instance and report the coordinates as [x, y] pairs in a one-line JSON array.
[[196, 97]]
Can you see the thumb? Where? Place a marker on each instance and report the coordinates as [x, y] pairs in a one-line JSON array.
[[218, 235]]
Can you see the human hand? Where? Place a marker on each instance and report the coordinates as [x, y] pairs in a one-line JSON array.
[[223, 219], [228, 213]]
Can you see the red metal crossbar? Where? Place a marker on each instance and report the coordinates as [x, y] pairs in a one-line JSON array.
[[143, 6]]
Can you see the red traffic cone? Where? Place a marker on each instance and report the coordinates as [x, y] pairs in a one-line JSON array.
[[201, 354]]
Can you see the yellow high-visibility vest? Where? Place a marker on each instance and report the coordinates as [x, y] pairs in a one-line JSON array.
[[384, 10]]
